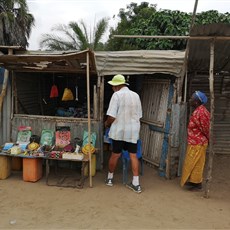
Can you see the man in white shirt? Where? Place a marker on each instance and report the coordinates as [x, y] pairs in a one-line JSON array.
[[124, 115]]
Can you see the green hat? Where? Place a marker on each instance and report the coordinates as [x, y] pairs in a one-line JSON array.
[[118, 80]]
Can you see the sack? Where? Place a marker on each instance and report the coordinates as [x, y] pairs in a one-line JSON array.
[[67, 95]]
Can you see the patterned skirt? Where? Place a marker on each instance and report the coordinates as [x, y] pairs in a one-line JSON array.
[[194, 164]]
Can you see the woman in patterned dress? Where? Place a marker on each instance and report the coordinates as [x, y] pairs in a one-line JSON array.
[[197, 142]]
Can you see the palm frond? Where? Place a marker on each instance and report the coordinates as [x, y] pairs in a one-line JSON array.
[[85, 31], [53, 42], [100, 30], [75, 36], [17, 24], [80, 36], [66, 31]]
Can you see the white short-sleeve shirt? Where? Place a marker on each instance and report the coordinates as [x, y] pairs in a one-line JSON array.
[[125, 107]]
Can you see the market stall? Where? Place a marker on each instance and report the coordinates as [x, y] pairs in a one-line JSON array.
[[52, 90]]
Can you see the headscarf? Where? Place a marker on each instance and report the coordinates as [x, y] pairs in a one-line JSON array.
[[201, 96]]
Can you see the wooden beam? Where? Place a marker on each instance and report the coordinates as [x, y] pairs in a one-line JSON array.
[[185, 64], [211, 151], [174, 37]]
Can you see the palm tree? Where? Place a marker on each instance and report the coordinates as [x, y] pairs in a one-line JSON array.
[[15, 23], [76, 36]]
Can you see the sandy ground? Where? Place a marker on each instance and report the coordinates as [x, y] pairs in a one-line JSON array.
[[163, 204]]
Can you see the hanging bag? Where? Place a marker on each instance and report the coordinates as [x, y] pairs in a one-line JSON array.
[[67, 95], [54, 91]]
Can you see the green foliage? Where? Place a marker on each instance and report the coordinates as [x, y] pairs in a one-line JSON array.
[[15, 24], [144, 19], [212, 16], [75, 36]]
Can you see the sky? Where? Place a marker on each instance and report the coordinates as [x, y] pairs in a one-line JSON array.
[[48, 13]]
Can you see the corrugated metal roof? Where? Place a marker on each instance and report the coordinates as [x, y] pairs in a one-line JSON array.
[[107, 63], [74, 62], [199, 50], [140, 62]]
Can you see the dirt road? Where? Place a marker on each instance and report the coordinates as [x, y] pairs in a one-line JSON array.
[[163, 204]]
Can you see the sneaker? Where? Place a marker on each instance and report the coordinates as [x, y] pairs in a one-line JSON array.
[[136, 189], [109, 182]]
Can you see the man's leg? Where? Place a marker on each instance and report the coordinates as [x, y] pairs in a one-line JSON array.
[[135, 185], [112, 166], [134, 164], [113, 161]]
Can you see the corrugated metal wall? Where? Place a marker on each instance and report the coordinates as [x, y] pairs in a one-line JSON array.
[[178, 139], [38, 123], [5, 130], [33, 92], [30, 93], [222, 108]]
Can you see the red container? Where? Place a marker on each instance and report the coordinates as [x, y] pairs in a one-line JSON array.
[[32, 169]]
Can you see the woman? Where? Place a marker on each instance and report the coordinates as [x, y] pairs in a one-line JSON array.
[[198, 137]]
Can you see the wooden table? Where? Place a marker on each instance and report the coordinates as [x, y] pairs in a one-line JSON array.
[[79, 184], [84, 162]]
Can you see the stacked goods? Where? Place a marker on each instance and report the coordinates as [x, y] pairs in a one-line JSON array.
[[75, 156], [55, 154]]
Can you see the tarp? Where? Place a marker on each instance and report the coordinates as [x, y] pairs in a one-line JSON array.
[[139, 62]]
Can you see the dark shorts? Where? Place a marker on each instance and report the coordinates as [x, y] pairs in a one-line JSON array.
[[118, 146]]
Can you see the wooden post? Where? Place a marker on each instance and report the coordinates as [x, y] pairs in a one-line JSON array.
[[101, 117], [95, 102], [211, 152], [89, 120], [185, 66]]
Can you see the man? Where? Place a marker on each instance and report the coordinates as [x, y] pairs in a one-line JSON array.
[[124, 115], [198, 137]]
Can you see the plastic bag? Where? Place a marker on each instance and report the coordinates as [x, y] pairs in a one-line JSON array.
[[67, 95], [54, 91]]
